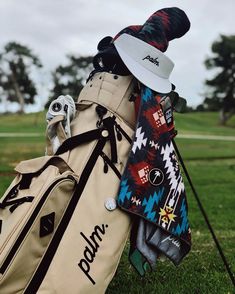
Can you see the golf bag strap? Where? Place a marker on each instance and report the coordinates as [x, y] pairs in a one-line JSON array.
[[77, 140], [105, 131]]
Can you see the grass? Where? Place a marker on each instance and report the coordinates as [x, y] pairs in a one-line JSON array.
[[202, 271], [200, 123], [211, 165], [192, 149], [30, 123], [14, 150], [203, 123]]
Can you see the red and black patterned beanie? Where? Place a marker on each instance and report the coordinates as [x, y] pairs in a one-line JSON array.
[[161, 27]]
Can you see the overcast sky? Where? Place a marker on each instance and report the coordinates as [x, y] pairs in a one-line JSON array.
[[54, 28]]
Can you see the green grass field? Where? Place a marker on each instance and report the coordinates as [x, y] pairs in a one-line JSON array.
[[210, 163]]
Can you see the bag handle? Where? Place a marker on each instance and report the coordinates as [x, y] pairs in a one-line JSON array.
[[28, 171], [55, 129], [105, 131]]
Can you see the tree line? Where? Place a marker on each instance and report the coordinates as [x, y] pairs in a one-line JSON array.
[[17, 85], [18, 62], [220, 95]]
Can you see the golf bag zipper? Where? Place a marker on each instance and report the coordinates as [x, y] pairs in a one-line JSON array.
[[109, 163], [11, 254], [120, 132]]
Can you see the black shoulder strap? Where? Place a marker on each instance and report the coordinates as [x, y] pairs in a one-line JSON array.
[[77, 140]]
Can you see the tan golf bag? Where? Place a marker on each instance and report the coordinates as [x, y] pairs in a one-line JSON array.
[[61, 230]]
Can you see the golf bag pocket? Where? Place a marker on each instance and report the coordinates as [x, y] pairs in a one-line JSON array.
[[30, 212], [62, 233]]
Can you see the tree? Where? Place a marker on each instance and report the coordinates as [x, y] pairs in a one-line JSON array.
[[223, 84], [70, 79], [212, 103], [16, 63]]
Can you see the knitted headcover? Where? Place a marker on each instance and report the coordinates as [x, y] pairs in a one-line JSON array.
[[152, 188], [161, 27]]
